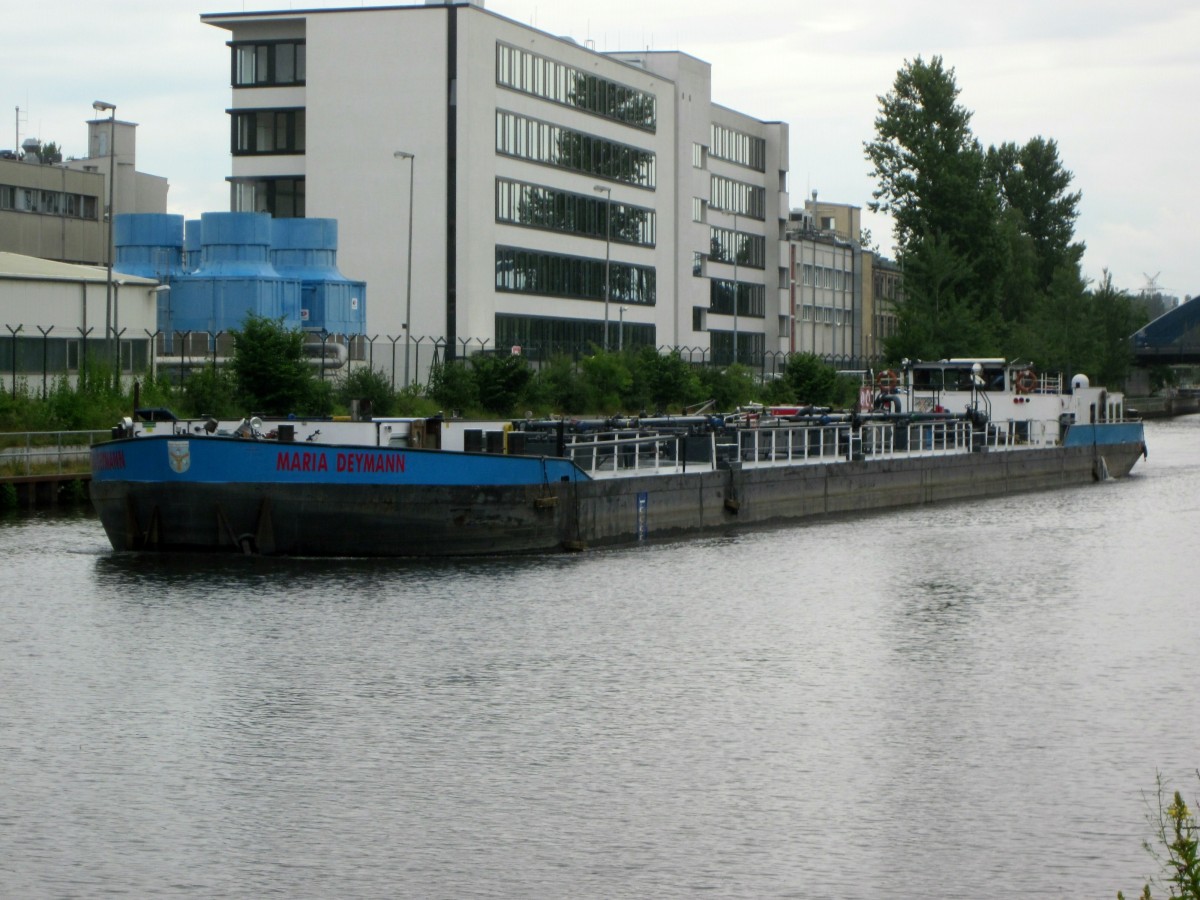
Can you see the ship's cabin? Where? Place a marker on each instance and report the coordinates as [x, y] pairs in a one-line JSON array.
[[959, 375]]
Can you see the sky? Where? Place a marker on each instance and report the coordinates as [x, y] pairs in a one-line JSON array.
[[1115, 84]]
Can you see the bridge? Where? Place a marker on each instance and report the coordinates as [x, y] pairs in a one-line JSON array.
[[1171, 339]]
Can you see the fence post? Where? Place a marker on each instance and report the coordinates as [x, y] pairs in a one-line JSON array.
[[14, 332]]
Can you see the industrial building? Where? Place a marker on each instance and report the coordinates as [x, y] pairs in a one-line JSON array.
[[560, 197]]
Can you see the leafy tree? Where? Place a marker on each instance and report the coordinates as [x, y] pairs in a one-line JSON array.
[[560, 388], [51, 154], [452, 385], [1032, 183], [728, 387], [931, 176], [500, 381], [212, 391], [608, 378], [660, 381], [270, 372], [811, 380]]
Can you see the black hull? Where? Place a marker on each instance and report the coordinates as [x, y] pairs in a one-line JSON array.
[[429, 521]]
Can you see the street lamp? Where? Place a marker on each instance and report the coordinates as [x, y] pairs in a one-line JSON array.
[[412, 164], [736, 248], [101, 106], [607, 191]]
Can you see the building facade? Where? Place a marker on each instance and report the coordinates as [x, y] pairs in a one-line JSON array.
[[561, 197], [59, 211], [828, 290]]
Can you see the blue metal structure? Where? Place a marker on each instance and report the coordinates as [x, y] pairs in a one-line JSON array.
[[1174, 337], [227, 266]]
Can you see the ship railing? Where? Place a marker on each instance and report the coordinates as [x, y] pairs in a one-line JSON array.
[[609, 456], [801, 443], [48, 452]]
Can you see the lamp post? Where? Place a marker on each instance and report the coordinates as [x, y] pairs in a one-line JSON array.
[[412, 164], [101, 106], [736, 248], [607, 191]]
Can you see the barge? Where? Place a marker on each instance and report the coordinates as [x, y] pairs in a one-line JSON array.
[[931, 432]]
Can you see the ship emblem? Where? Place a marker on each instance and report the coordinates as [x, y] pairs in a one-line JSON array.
[[179, 456]]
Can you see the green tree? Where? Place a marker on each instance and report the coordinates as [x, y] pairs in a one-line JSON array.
[[270, 371], [452, 385], [1033, 184], [560, 388], [660, 381], [931, 179], [609, 378], [811, 380], [500, 381], [728, 387]]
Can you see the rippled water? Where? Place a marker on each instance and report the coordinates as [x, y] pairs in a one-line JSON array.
[[964, 701]]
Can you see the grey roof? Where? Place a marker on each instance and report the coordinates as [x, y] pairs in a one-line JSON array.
[[14, 265]]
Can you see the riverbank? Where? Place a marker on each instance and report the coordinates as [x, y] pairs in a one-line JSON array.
[[44, 491], [1163, 407]]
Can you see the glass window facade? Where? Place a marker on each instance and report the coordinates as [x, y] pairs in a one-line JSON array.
[[541, 337], [49, 203], [536, 206], [739, 197], [283, 198], [553, 145], [266, 132], [580, 278], [737, 147], [751, 249], [557, 82], [751, 298], [268, 63]]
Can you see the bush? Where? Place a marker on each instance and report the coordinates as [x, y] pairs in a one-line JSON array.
[[1178, 831], [371, 389]]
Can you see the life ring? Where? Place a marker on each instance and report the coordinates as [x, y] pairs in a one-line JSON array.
[[1026, 381], [887, 380]]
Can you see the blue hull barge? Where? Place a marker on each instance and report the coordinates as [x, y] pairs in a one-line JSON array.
[[948, 431]]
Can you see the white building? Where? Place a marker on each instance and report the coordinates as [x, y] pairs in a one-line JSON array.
[[519, 144], [54, 320]]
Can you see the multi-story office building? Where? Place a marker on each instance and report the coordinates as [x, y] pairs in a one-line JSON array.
[[827, 281], [59, 211], [561, 197]]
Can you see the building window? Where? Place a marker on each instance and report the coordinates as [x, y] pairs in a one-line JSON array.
[[738, 197], [751, 298], [557, 82], [699, 156], [580, 278], [541, 337], [55, 203], [283, 198], [737, 147], [751, 249], [553, 145], [263, 132], [551, 209], [268, 63]]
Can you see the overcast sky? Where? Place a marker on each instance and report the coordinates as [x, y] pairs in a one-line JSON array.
[[1114, 83]]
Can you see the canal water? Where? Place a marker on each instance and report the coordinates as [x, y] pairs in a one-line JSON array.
[[972, 700]]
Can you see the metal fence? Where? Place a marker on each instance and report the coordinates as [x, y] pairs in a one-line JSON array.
[[405, 359], [47, 452]]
